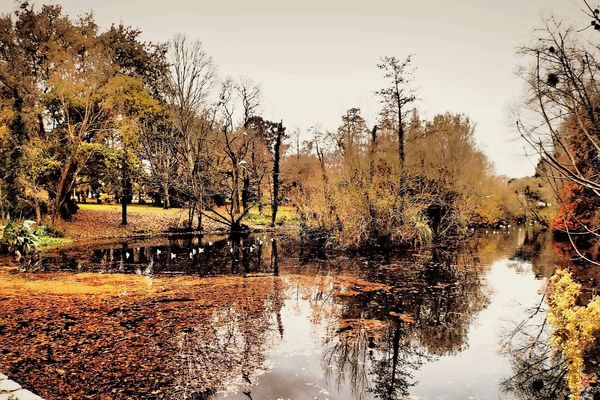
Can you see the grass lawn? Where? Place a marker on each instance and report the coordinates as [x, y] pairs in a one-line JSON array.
[[104, 221], [94, 221], [286, 215]]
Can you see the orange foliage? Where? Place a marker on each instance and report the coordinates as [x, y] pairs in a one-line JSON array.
[[579, 208]]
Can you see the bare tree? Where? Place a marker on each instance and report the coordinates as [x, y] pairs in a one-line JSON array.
[[249, 93], [238, 152], [190, 83], [397, 96], [278, 136], [562, 119], [159, 147]]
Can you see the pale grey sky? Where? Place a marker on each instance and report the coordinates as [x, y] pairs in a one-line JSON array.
[[315, 59]]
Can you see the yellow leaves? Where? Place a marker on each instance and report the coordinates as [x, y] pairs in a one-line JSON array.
[[127, 102], [127, 96], [574, 326], [6, 115], [4, 132]]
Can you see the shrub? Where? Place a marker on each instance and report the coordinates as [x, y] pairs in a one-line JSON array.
[[18, 239], [48, 231], [574, 326]]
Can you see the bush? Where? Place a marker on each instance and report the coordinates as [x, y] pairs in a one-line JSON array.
[[574, 326], [363, 215], [18, 239]]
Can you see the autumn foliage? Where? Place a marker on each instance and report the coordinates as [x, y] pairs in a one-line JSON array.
[[574, 326]]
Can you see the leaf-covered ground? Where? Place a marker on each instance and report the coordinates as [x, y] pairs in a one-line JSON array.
[[96, 221]]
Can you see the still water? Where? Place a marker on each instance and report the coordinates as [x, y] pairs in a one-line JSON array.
[[263, 318]]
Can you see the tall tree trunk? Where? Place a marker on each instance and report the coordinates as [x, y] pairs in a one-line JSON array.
[[259, 195], [245, 192], [124, 189], [372, 153], [236, 190], [276, 157], [166, 201], [400, 139], [63, 190], [18, 137]]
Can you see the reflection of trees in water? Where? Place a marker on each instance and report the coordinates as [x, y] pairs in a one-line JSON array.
[[445, 312], [538, 250], [392, 371], [375, 339], [427, 312], [351, 353], [538, 369], [230, 347], [211, 255]]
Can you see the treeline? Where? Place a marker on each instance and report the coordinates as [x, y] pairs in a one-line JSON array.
[[91, 112], [86, 112]]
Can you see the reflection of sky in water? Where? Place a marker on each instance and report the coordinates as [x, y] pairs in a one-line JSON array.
[[463, 308], [476, 373], [298, 372]]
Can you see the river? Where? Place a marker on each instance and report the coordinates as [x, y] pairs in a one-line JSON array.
[[265, 318]]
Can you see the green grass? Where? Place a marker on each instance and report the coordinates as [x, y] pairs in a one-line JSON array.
[[48, 241], [285, 215]]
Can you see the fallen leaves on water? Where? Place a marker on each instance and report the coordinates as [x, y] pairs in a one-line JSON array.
[[403, 317], [112, 336]]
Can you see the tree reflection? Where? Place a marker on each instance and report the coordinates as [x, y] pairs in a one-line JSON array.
[[347, 356], [380, 317], [230, 347], [538, 369], [399, 359], [385, 336]]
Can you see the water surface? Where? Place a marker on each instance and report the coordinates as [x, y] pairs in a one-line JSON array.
[[263, 318]]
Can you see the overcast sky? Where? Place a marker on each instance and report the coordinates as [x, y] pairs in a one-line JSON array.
[[316, 58]]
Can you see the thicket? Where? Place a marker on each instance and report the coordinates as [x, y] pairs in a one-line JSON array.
[[357, 193]]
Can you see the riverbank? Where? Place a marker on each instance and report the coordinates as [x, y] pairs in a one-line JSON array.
[[11, 390], [94, 222]]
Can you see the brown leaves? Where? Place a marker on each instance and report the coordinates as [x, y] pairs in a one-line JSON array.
[[79, 337], [95, 221], [407, 319]]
